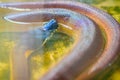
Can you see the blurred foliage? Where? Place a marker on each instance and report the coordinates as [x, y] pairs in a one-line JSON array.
[[91, 1], [113, 10]]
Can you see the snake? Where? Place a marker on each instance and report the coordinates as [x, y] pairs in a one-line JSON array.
[[88, 56]]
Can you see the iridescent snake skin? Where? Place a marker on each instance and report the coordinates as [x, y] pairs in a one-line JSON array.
[[89, 43]]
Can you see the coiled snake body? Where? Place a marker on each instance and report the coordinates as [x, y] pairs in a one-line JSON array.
[[89, 43]]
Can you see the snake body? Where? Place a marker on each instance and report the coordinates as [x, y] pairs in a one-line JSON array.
[[75, 64]]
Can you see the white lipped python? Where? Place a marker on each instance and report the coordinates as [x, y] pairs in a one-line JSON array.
[[88, 56]]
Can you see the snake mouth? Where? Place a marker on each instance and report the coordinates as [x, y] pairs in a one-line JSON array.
[[90, 53]]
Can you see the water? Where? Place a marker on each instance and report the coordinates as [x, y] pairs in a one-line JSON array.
[[18, 45]]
